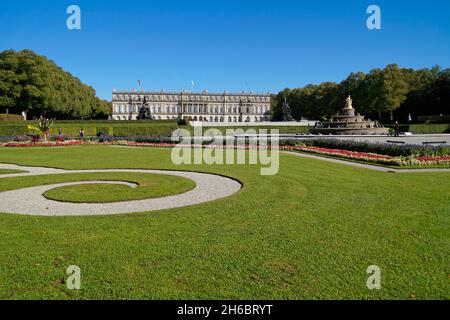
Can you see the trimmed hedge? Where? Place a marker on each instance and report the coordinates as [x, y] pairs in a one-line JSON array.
[[11, 117], [424, 128], [282, 129], [13, 130], [137, 129], [133, 131], [434, 119]]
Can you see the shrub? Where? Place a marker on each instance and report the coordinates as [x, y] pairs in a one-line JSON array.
[[64, 137], [13, 130], [22, 138], [103, 131], [136, 131], [424, 128], [10, 117]]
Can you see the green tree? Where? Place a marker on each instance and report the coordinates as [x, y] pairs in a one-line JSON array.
[[32, 83]]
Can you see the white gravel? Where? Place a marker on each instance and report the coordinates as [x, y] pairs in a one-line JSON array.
[[30, 201]]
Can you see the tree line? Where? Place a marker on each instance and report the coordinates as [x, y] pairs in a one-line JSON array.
[[388, 94], [35, 84]]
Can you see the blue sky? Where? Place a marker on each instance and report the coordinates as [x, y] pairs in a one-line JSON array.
[[251, 45]]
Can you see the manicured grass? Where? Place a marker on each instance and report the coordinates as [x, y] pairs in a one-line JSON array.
[[309, 232], [149, 186], [8, 171]]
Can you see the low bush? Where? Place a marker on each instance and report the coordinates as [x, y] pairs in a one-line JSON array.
[[135, 131], [424, 128], [22, 138], [434, 119], [10, 117], [13, 130], [282, 129], [104, 131]]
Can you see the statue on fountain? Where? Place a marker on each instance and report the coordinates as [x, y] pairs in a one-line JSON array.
[[348, 103]]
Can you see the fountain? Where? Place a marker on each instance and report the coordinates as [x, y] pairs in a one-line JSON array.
[[347, 123]]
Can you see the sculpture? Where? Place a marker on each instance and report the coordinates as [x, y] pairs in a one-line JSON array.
[[144, 111], [346, 122], [286, 114], [348, 103]]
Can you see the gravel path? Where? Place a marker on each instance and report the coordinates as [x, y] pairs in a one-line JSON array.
[[363, 165], [30, 201]]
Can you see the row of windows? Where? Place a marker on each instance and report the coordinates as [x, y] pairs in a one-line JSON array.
[[204, 119], [190, 98], [190, 109]]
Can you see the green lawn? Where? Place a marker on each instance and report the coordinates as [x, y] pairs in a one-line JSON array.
[[8, 171], [309, 232], [149, 186]]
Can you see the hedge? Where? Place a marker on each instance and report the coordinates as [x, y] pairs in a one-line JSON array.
[[11, 117], [434, 119], [133, 131], [104, 131], [160, 129], [282, 129], [13, 130], [424, 128]]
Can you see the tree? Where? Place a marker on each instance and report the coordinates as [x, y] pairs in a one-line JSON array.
[[32, 83]]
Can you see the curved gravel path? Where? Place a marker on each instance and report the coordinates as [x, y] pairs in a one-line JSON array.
[[30, 201]]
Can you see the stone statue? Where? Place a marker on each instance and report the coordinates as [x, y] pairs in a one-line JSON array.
[[349, 102]]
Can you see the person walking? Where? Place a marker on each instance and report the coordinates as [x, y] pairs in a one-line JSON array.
[[397, 129]]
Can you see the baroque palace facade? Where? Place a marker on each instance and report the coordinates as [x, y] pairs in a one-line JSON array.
[[204, 106]]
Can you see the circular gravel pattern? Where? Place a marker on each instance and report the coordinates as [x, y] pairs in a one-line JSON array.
[[30, 201]]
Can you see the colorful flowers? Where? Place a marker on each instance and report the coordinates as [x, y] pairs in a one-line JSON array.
[[43, 144], [374, 157]]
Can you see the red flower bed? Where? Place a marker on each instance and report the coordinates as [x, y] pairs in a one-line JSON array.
[[151, 144], [345, 153], [45, 144], [434, 158]]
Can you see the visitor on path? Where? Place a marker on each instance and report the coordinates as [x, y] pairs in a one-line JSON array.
[[397, 129], [60, 135], [82, 134]]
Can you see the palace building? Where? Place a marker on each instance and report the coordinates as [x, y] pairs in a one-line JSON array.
[[204, 106]]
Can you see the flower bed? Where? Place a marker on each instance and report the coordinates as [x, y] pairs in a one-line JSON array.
[[354, 155], [42, 144], [374, 157], [434, 160]]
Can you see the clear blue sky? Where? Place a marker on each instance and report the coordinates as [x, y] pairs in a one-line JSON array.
[[259, 45]]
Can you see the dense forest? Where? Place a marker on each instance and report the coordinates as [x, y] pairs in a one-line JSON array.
[[388, 94], [32, 83]]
